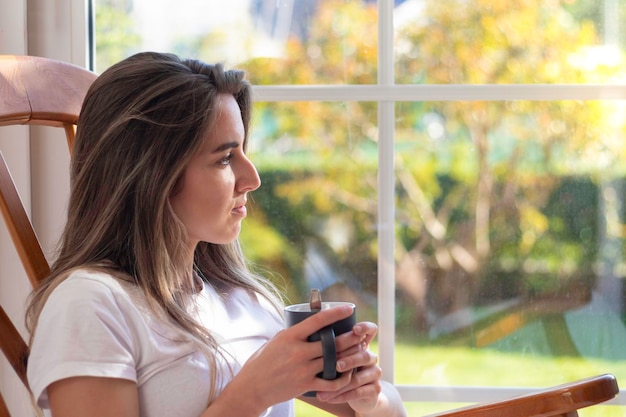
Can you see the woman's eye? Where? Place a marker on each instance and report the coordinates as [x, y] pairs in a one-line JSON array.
[[226, 160]]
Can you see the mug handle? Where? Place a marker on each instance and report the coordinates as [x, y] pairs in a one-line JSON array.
[[329, 351]]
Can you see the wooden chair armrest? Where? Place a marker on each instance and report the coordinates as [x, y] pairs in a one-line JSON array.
[[560, 400]]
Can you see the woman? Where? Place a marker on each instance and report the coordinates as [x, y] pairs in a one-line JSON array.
[[149, 309]]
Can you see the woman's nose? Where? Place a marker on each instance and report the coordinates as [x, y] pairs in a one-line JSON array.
[[249, 179]]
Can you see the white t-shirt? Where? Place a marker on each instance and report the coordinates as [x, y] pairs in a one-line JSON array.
[[95, 325]]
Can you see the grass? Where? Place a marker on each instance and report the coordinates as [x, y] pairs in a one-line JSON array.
[[444, 366]]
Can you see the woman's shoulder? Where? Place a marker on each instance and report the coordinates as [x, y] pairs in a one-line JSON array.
[[87, 278], [89, 285], [90, 298]]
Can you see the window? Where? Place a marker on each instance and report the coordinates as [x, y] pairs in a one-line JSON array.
[[455, 167]]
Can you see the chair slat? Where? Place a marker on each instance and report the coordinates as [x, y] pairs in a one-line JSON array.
[[4, 410], [13, 346], [20, 228]]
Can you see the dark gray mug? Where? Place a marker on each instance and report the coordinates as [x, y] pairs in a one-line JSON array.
[[295, 313]]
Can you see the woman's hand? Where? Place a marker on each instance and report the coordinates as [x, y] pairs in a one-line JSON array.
[[365, 394], [355, 358], [285, 368]]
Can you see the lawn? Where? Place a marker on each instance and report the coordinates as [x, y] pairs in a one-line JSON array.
[[441, 366]]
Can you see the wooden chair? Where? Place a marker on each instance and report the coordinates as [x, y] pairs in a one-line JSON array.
[[33, 91], [47, 92]]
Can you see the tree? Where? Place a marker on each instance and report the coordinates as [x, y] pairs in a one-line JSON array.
[[514, 152]]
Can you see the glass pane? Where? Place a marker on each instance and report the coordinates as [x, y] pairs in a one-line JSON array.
[[509, 42], [312, 223], [511, 221], [284, 41]]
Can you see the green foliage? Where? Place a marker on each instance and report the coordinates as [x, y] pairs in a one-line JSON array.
[[115, 35], [341, 47], [487, 42]]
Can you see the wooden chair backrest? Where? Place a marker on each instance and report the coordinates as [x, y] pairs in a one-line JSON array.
[[33, 91], [560, 401]]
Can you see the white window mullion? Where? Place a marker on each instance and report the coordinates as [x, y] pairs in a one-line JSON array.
[[448, 92], [386, 239], [386, 195]]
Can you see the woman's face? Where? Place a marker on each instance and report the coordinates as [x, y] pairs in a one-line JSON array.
[[212, 200]]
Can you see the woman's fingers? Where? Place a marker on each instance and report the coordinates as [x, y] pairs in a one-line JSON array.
[[319, 320], [334, 386], [364, 384], [366, 329], [361, 359], [356, 340], [351, 351]]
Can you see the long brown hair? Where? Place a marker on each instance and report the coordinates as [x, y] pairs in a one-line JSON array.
[[140, 123]]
